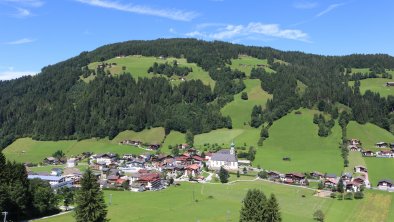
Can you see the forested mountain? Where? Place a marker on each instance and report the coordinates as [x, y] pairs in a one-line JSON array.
[[57, 104]]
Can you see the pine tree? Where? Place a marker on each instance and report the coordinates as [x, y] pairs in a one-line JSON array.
[[254, 207], [90, 200], [273, 213], [223, 175]]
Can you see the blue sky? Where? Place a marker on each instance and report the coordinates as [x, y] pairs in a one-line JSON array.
[[35, 33]]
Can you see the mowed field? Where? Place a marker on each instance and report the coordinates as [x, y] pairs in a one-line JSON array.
[[29, 150], [247, 136], [295, 136], [369, 134], [217, 202], [247, 63], [377, 85], [138, 67], [240, 110]]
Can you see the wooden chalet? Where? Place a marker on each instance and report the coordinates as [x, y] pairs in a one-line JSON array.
[[330, 182], [360, 169], [294, 178], [385, 184], [273, 175], [368, 153], [381, 145]]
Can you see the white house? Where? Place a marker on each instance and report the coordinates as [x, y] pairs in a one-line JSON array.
[[106, 158], [54, 181], [225, 158], [72, 162]]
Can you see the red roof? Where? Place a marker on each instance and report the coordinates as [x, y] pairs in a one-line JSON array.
[[193, 167], [120, 181], [198, 158], [149, 177]]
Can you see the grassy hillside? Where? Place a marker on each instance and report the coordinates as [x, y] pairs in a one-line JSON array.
[[172, 139], [29, 150], [376, 85], [246, 63], [176, 204], [295, 136], [369, 134], [138, 66], [240, 110], [224, 137]]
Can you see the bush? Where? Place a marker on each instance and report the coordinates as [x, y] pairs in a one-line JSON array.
[[318, 215], [244, 96], [333, 195], [263, 174], [358, 195], [349, 196]]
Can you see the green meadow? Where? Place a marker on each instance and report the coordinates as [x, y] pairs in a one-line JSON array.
[[240, 110], [172, 139], [369, 134], [218, 202], [295, 136], [377, 85], [29, 150], [138, 67], [247, 63]]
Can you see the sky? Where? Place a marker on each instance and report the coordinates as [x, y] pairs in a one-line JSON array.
[[37, 33]]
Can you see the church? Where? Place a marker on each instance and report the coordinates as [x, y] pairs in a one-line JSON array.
[[226, 158]]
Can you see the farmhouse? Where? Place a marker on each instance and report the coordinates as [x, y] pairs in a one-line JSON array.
[[317, 175], [354, 142], [354, 148], [346, 177], [105, 158], [381, 145], [273, 175], [368, 153], [294, 178], [330, 183], [352, 187], [360, 169], [385, 185], [51, 160], [385, 154], [359, 180], [224, 158]]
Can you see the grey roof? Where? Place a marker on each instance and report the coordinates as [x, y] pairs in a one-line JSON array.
[[224, 155], [51, 178]]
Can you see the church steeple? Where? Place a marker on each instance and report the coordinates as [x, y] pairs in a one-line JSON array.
[[232, 148]]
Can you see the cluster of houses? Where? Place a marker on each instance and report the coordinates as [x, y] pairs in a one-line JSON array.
[[140, 172], [387, 152], [329, 181]]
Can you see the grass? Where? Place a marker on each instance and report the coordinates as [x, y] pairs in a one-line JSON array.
[[218, 202], [172, 139], [246, 63], [369, 134], [224, 137], [377, 85], [48, 168], [138, 67], [295, 136], [153, 135], [355, 158], [240, 110], [29, 150]]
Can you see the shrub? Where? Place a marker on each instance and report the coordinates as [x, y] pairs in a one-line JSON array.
[[318, 215], [333, 195], [349, 196], [358, 195]]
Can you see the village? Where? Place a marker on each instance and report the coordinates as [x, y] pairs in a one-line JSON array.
[[151, 172]]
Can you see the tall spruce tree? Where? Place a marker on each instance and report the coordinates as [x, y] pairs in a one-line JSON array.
[[90, 200], [254, 207], [273, 213], [223, 175]]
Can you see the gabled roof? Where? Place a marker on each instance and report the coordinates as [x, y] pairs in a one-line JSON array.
[[385, 181], [224, 155]]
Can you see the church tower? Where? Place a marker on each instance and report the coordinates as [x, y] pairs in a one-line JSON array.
[[232, 148]]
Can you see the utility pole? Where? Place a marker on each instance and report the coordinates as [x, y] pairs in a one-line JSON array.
[[5, 215]]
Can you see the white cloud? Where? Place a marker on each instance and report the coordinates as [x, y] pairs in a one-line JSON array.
[[305, 5], [20, 41], [173, 14], [27, 3], [22, 12], [329, 9], [252, 29], [11, 74]]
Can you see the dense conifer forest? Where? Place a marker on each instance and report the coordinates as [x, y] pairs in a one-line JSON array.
[[56, 104]]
